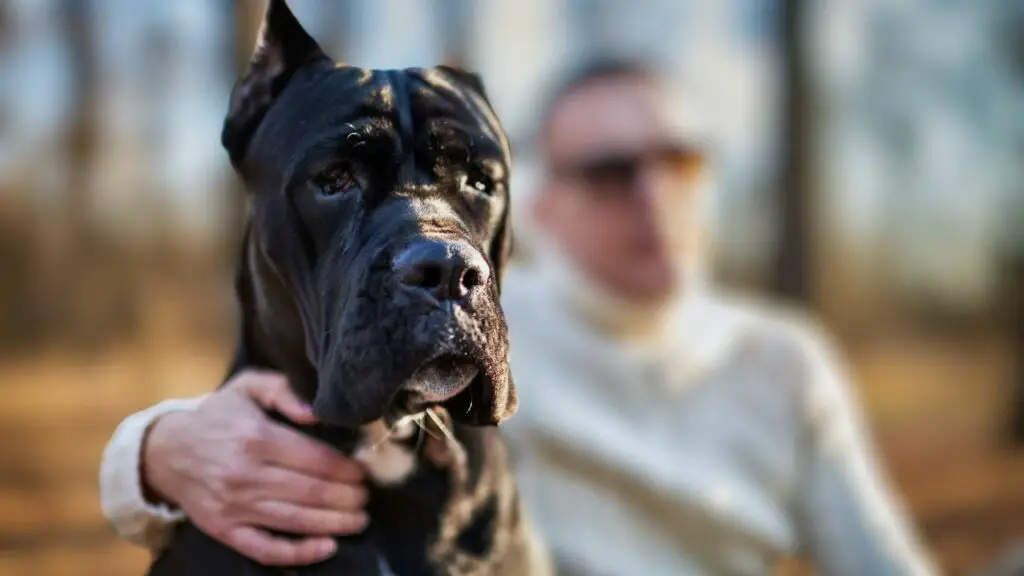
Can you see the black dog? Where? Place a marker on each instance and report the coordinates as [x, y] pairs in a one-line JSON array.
[[370, 274]]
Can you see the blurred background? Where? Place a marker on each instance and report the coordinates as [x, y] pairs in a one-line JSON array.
[[871, 158]]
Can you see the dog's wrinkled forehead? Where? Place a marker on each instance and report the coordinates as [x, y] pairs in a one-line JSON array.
[[379, 116]]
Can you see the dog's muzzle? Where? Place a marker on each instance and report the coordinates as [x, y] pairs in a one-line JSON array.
[[445, 274], [428, 331]]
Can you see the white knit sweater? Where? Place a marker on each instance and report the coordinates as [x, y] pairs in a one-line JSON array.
[[725, 438], [712, 444]]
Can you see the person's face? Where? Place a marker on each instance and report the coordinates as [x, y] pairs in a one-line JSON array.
[[620, 194]]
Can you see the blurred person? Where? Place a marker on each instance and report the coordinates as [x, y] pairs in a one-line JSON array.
[[663, 428], [663, 424]]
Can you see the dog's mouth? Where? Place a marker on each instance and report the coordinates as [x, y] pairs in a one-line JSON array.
[[441, 380]]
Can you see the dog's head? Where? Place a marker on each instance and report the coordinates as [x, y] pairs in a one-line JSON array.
[[380, 210]]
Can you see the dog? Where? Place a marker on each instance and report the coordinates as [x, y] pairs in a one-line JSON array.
[[370, 274]]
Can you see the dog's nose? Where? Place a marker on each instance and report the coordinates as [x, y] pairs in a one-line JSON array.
[[447, 270]]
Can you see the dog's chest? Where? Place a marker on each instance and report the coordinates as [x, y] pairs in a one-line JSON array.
[[413, 469]]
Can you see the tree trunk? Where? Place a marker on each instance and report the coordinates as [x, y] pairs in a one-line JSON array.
[[791, 278], [1015, 268], [1016, 321], [81, 138], [77, 250]]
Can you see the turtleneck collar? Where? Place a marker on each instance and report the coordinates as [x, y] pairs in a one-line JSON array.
[[615, 317], [688, 334]]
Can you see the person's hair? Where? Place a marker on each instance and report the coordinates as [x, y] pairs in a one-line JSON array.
[[604, 67]]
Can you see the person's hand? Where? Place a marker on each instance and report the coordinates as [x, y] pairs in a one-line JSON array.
[[236, 473]]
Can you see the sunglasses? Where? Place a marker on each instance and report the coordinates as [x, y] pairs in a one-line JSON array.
[[616, 173]]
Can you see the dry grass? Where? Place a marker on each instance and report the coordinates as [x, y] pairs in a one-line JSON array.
[[934, 407]]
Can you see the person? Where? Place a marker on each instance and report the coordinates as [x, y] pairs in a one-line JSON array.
[[664, 423], [664, 427]]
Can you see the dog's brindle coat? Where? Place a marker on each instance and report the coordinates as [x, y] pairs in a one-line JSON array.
[[356, 178]]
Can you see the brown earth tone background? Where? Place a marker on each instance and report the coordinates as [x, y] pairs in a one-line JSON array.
[[873, 177]]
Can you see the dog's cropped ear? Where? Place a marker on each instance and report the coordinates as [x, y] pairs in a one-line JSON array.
[[282, 48], [470, 79]]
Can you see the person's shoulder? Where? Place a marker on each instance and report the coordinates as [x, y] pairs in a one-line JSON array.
[[783, 328]]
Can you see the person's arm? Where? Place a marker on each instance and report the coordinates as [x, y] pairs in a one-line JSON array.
[[132, 513], [850, 522], [234, 473]]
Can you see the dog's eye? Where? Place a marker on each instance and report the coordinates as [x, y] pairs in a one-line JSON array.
[[336, 181], [480, 182]]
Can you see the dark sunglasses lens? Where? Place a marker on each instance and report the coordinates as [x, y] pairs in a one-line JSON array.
[[612, 171]]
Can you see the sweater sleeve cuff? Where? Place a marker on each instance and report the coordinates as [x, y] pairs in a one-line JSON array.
[[139, 521]]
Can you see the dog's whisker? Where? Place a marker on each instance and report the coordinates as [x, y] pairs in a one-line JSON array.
[[440, 424], [381, 442], [424, 428], [389, 433], [418, 420]]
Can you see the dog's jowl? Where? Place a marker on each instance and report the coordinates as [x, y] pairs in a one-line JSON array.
[[370, 274]]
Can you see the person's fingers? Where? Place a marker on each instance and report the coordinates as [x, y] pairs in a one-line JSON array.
[[292, 518], [272, 482], [271, 391], [290, 449], [274, 551]]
